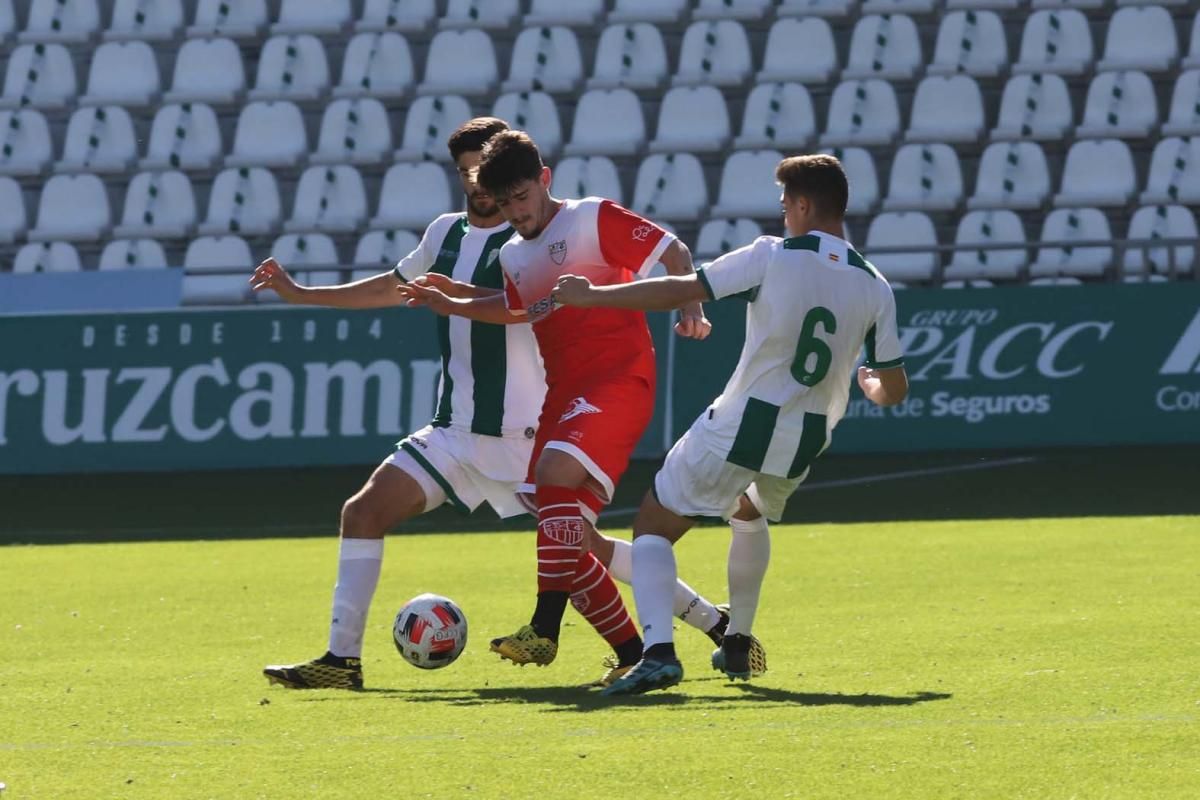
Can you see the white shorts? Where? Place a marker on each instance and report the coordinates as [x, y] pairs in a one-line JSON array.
[[696, 482], [465, 469]]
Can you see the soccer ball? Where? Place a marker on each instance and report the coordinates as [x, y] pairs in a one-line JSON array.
[[430, 631]]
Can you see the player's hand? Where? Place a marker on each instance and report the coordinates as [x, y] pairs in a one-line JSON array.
[[692, 323], [443, 283], [417, 295], [866, 379], [572, 290], [270, 274]]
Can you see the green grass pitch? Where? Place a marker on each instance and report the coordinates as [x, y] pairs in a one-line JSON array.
[[986, 659]]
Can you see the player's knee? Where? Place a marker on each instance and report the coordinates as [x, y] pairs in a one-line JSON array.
[[556, 468], [360, 518]]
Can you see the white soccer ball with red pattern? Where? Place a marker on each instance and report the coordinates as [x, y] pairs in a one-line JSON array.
[[430, 631]]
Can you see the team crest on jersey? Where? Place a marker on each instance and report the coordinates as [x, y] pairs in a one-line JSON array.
[[834, 257], [558, 251], [577, 407], [642, 232], [564, 530]]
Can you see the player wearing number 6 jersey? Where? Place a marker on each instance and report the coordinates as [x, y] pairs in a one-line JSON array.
[[814, 303]]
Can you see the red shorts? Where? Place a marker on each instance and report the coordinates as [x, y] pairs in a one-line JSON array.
[[599, 424]]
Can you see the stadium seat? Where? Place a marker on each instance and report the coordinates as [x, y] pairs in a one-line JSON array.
[[47, 257], [8, 21], [243, 200], [732, 9], [862, 177], [581, 13], [719, 236], [1068, 225], [971, 284], [291, 67], [994, 5], [1192, 59], [1011, 175], [98, 140], [39, 76], [1034, 107], [427, 126], [207, 71], [411, 196], [61, 21], [984, 227], [1060, 4], [631, 56], [380, 250], [213, 253], [1184, 118], [24, 142], [1161, 222], [777, 115], [670, 186], [1085, 185], [353, 132], [407, 16], [148, 20], [377, 65], [898, 6], [158, 205], [884, 46], [659, 11], [298, 250], [799, 50], [714, 53], [607, 122], [132, 254], [595, 176], [122, 73], [535, 112], [946, 109], [692, 119], [545, 59], [329, 198], [925, 177], [477, 14], [748, 187], [1056, 282], [72, 208], [903, 229], [1129, 31], [1119, 105], [268, 134], [1174, 172], [244, 19], [1057, 42], [305, 16], [184, 136], [862, 113], [970, 42], [12, 211], [448, 72], [815, 8]]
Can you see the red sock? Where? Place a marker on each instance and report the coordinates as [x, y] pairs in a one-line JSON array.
[[559, 537], [595, 596]]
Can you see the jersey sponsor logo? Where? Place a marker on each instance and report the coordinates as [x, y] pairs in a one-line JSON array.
[[564, 530], [558, 251], [578, 407], [642, 232]]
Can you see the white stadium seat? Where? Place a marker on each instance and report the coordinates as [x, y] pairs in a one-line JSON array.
[[382, 249], [536, 113], [1060, 4], [298, 250], [1129, 31], [158, 205], [98, 140], [748, 187], [658, 11], [73, 208], [156, 20], [1068, 225], [133, 254], [1085, 185], [47, 257], [1184, 118], [241, 20], [412, 194], [799, 50], [207, 71], [1011, 175], [631, 56], [329, 198], [39, 76], [946, 109], [305, 16], [1161, 222], [670, 187], [714, 53], [1192, 60], [732, 9], [213, 253], [816, 8], [408, 16], [777, 115], [582, 13], [428, 125], [1174, 172], [1119, 105], [447, 71], [607, 122], [24, 142], [13, 220], [122, 73], [545, 59], [8, 20], [862, 177], [184, 136], [63, 21], [692, 119], [884, 46], [903, 229], [925, 177], [1034, 107], [268, 133], [377, 65], [291, 67], [594, 176], [995, 5], [972, 43], [480, 14], [353, 132], [898, 6], [719, 236], [1057, 42], [243, 200], [988, 227], [862, 113]]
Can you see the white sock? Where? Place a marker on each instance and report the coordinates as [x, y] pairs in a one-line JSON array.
[[749, 554], [359, 561], [653, 579], [688, 605]]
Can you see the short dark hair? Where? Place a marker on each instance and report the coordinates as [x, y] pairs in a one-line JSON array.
[[818, 178], [508, 158], [473, 134]]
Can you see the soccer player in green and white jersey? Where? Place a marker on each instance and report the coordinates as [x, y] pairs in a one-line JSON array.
[[478, 445], [814, 304]]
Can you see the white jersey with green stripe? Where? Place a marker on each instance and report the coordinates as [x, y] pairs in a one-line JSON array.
[[492, 378], [814, 304]]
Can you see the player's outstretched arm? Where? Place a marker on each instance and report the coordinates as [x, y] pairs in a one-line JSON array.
[[653, 294], [884, 387], [378, 291], [452, 288], [488, 308], [692, 323]]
